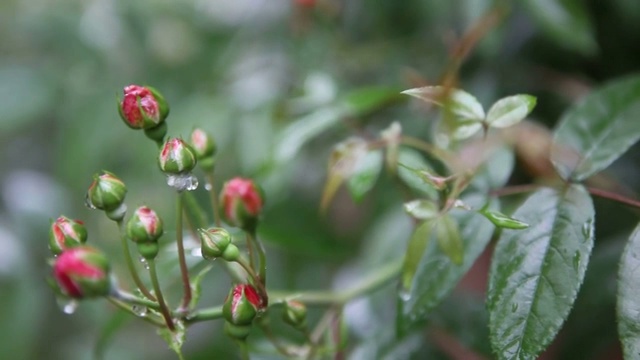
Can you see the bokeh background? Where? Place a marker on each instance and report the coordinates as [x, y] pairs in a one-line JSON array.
[[246, 70]]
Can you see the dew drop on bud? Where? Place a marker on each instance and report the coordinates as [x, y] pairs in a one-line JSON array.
[[197, 252], [405, 295], [182, 182], [88, 203], [208, 187], [68, 306], [139, 310], [144, 262]]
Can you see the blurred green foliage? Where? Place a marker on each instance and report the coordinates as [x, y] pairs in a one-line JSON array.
[[246, 70]]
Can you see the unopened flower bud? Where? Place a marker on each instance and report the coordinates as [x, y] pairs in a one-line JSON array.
[[145, 228], [214, 242], [241, 201], [203, 144], [242, 305], [106, 192], [176, 157], [142, 107], [66, 233], [295, 314], [82, 272]]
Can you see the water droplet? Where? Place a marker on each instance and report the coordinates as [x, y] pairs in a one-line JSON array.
[[68, 306], [576, 261], [197, 252], [140, 310], [208, 187], [182, 182], [405, 295], [514, 307], [88, 203], [144, 262], [587, 229]]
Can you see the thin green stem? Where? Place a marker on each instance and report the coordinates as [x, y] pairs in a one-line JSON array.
[[184, 270], [156, 286], [262, 272], [126, 307], [215, 206], [275, 341], [251, 252], [367, 285], [132, 299], [244, 350], [194, 209], [131, 265], [205, 315]]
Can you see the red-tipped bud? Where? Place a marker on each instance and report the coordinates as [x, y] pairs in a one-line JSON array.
[[203, 144], [144, 225], [142, 107], [107, 192], [241, 201], [82, 272], [295, 314], [65, 234], [242, 305], [214, 242], [176, 157]]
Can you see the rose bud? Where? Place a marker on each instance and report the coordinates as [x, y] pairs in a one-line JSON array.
[[241, 201], [176, 157], [242, 305], [214, 242], [295, 314], [66, 233], [82, 272], [107, 193], [145, 228], [142, 107], [203, 144]]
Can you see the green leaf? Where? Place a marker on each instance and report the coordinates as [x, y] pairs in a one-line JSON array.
[[364, 101], [366, 174], [436, 275], [510, 110], [196, 286], [342, 165], [175, 339], [449, 240], [536, 273], [566, 22], [421, 209], [463, 105], [417, 245], [628, 306], [597, 130], [502, 221], [412, 163]]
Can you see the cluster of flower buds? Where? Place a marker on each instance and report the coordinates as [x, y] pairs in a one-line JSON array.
[[240, 308], [145, 228], [241, 201], [143, 107], [82, 272], [205, 148], [107, 193], [65, 233], [216, 242]]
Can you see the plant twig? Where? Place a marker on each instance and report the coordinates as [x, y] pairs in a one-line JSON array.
[[150, 319], [156, 287], [131, 265], [214, 197], [184, 270], [614, 196]]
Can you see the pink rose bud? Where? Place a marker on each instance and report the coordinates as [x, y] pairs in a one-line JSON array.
[[214, 242], [65, 233], [205, 148], [82, 272], [242, 305], [241, 201], [107, 192], [142, 107], [145, 228], [176, 157]]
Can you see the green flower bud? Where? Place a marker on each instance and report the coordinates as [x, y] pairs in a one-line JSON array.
[[144, 226], [176, 157], [242, 305], [203, 144], [214, 242], [231, 253], [148, 250], [106, 192], [295, 314], [82, 272], [65, 233]]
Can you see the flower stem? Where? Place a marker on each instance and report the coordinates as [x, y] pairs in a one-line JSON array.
[[122, 305], [613, 196], [244, 350], [262, 272], [205, 314], [132, 299], [156, 286], [131, 265], [184, 271], [214, 197]]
